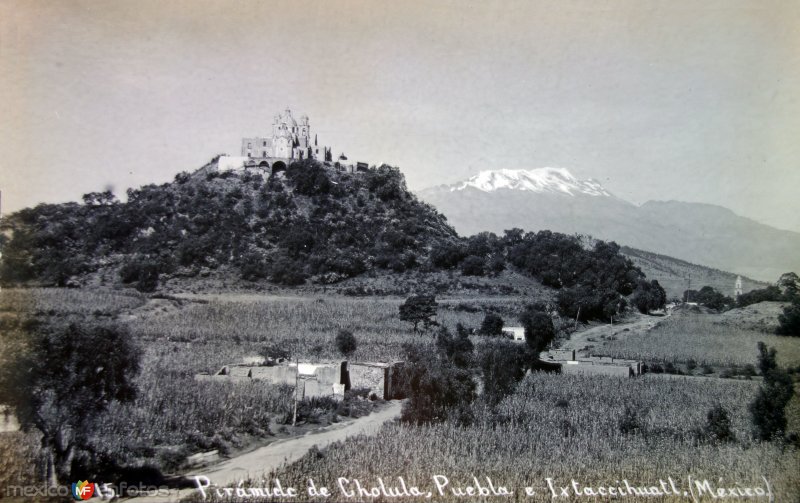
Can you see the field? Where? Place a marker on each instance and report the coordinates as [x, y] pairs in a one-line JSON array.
[[174, 415], [704, 339], [570, 427], [556, 426]]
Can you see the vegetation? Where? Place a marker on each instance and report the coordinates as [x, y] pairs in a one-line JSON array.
[[438, 388], [419, 309], [686, 336], [768, 408], [570, 426], [61, 380], [539, 330], [492, 324], [502, 365], [718, 426], [710, 298], [315, 223], [789, 320], [346, 342]]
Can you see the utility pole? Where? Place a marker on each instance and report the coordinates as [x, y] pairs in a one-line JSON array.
[[296, 382], [688, 287]]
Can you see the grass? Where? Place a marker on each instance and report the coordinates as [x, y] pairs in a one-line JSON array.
[[568, 427], [690, 336], [174, 415], [554, 426], [63, 302]]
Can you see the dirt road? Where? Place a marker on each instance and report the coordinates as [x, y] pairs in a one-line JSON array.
[[640, 324], [258, 463]]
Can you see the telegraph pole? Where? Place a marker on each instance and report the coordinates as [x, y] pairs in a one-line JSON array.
[[296, 383]]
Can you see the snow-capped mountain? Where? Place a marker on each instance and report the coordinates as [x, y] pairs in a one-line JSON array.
[[556, 180], [552, 198]]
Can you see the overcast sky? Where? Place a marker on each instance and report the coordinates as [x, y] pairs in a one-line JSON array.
[[694, 101]]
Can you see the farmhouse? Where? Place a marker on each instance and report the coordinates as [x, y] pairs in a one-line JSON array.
[[517, 334], [597, 365], [381, 380]]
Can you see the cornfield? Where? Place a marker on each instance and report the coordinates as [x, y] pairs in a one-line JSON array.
[[684, 337], [568, 427]]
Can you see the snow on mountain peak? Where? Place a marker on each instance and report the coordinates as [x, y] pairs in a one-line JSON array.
[[558, 180]]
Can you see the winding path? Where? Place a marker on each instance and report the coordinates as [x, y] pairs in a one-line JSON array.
[[257, 463]]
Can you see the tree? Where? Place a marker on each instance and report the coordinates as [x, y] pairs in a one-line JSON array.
[[789, 283], [457, 349], [789, 320], [273, 353], [419, 309], [492, 325], [710, 298], [502, 364], [473, 266], [648, 296], [346, 342], [539, 330], [65, 378], [768, 408], [437, 389]]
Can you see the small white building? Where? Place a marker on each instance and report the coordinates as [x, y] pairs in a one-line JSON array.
[[517, 334]]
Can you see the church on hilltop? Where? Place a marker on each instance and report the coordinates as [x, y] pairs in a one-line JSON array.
[[290, 140]]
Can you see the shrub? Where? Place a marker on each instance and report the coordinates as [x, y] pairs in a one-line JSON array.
[[502, 365], [768, 408], [718, 426], [458, 349], [472, 266], [346, 342], [492, 325], [438, 390], [539, 330], [789, 320], [630, 423]]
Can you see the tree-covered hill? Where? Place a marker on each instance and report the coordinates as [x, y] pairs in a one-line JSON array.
[[310, 223]]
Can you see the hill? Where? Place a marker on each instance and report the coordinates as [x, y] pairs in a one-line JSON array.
[[552, 198], [677, 275], [312, 225], [311, 222]]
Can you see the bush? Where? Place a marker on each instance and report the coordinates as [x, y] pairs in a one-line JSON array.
[[472, 266], [768, 408], [438, 390], [346, 342], [629, 423], [539, 330], [144, 272], [789, 320], [458, 349], [492, 325], [502, 365], [718, 426]]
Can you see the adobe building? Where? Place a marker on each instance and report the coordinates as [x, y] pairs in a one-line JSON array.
[[596, 365], [332, 379]]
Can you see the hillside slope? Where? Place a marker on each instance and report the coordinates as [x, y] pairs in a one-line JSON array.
[[549, 198], [676, 275], [310, 223]]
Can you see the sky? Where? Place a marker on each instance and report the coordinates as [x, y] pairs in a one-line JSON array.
[[664, 100]]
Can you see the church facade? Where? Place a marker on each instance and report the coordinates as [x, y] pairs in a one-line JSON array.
[[290, 140]]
